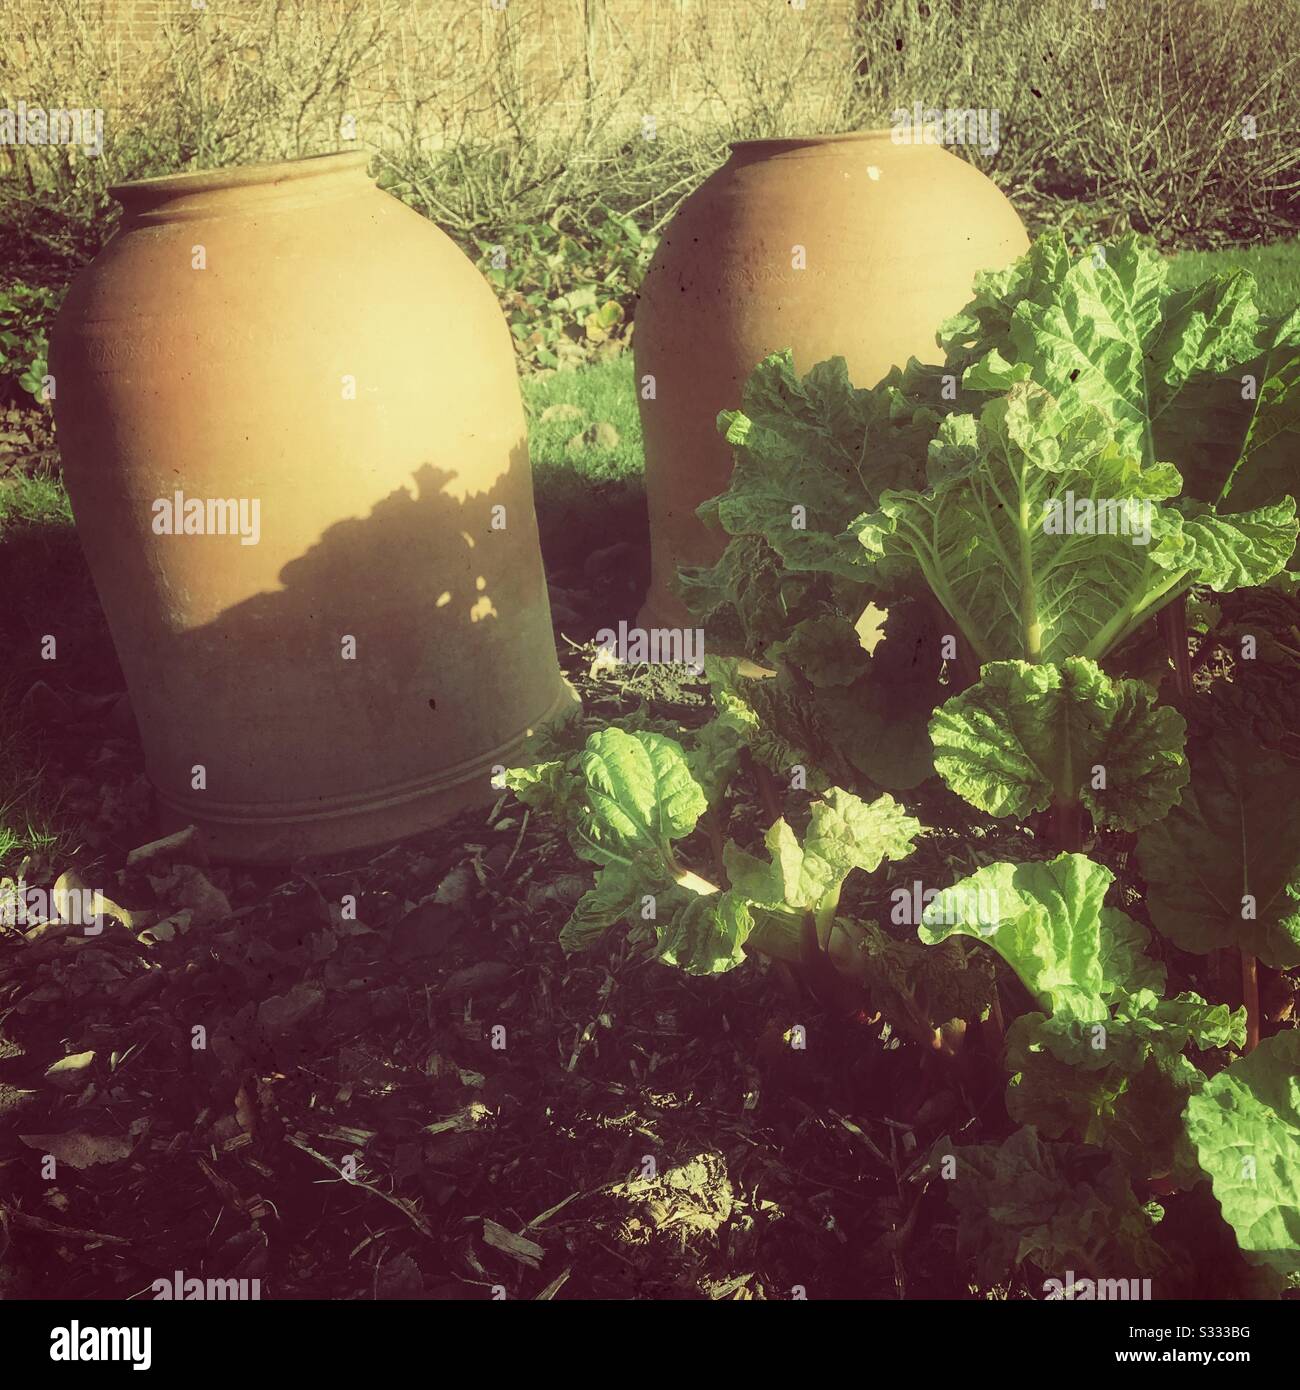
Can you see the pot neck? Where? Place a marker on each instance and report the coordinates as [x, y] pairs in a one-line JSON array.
[[212, 191]]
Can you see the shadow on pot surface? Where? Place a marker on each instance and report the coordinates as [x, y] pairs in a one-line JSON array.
[[296, 453]]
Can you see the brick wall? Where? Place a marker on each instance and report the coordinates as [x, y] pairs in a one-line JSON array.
[[438, 66]]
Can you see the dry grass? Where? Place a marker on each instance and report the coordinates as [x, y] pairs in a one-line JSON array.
[[483, 117]]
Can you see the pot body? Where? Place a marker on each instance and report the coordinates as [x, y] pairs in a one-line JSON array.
[[834, 246], [295, 448]]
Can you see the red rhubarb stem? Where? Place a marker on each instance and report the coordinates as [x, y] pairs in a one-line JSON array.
[[1250, 998], [1172, 623]]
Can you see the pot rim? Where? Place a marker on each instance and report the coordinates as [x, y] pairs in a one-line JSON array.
[[780, 143], [235, 176]]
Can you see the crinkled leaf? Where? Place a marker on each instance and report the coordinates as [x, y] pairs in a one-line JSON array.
[[1246, 548], [1245, 1126], [706, 935], [844, 833], [1048, 922], [714, 755], [1193, 375], [616, 894], [1125, 1099], [1001, 546], [1025, 736], [639, 795], [1266, 466], [814, 452], [749, 599], [1170, 1025], [798, 445], [825, 650], [542, 786], [1055, 1206], [779, 725], [1110, 328]]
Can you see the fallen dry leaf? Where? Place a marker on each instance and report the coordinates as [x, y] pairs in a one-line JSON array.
[[80, 1150]]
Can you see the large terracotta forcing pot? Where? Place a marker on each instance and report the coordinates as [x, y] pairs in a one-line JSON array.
[[842, 245], [295, 448]]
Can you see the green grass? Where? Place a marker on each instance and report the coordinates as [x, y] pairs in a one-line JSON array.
[[588, 495], [1276, 269], [26, 501], [35, 541], [604, 392]]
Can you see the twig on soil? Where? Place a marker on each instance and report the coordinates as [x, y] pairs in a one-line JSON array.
[[52, 1228], [413, 1217]]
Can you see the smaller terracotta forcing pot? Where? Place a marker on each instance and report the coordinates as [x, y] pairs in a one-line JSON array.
[[295, 447], [835, 246]]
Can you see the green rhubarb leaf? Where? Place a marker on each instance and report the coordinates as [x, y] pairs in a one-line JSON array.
[[1223, 867], [777, 722], [1058, 1207], [714, 756], [825, 650], [1243, 549], [1265, 468], [1081, 1082], [811, 453], [1049, 923], [542, 786], [844, 833], [1026, 736], [1170, 1025], [1193, 375], [1142, 1024], [796, 478], [706, 935], [1055, 543], [748, 599], [869, 712], [1245, 1126], [638, 796], [1122, 1082], [847, 833], [1109, 328], [614, 898], [985, 323]]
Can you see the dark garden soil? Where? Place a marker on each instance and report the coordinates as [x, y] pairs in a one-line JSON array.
[[430, 1100]]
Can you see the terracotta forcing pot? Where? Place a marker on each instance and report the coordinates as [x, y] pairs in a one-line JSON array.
[[835, 246], [294, 443]]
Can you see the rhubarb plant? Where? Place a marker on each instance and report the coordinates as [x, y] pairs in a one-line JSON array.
[[999, 544], [627, 798], [953, 580], [1197, 376], [1101, 1060]]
